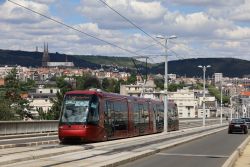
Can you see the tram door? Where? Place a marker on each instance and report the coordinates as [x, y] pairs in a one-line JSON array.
[[141, 118], [159, 116], [116, 119], [108, 125]]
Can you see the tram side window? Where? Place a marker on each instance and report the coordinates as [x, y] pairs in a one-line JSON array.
[[93, 116], [121, 115], [175, 111], [107, 112], [141, 113], [156, 115], [136, 113], [160, 109], [145, 113], [172, 112]]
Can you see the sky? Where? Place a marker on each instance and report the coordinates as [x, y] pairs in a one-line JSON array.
[[204, 28]]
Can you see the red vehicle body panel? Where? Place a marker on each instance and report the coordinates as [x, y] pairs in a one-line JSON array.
[[101, 132]]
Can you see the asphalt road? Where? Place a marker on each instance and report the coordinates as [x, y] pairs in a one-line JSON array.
[[209, 151]]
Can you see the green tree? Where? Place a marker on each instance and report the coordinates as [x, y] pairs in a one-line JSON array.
[[132, 79], [117, 86], [105, 84], [111, 85], [173, 87], [13, 90], [6, 112], [43, 115], [159, 84], [216, 92], [92, 82]]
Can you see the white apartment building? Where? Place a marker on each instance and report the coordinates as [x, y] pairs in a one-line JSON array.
[[218, 77], [200, 113], [40, 102], [47, 90], [210, 106], [20, 71], [147, 90], [41, 99], [186, 102]]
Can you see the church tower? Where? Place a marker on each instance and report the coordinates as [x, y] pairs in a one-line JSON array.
[[46, 57]]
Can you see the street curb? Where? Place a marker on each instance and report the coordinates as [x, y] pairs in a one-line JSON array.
[[236, 154], [146, 153], [29, 144], [27, 135]]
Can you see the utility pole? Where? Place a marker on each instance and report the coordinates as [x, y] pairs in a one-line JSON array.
[[166, 81]]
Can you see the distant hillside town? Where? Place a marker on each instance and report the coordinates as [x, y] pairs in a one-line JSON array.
[[55, 77], [188, 97]]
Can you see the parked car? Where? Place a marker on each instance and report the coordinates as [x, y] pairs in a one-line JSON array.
[[247, 122], [238, 125]]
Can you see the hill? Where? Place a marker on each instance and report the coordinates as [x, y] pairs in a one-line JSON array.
[[188, 67], [34, 59], [230, 67]]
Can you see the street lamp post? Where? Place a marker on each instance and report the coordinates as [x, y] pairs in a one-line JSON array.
[[231, 111], [204, 83], [166, 81], [221, 102]]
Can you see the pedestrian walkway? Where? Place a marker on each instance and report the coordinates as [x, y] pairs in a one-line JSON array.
[[244, 159]]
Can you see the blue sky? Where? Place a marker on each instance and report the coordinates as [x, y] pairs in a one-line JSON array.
[[204, 28]]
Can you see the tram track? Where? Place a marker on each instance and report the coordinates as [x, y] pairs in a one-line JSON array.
[[31, 153], [26, 140]]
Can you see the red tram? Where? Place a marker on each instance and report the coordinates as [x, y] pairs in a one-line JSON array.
[[99, 116]]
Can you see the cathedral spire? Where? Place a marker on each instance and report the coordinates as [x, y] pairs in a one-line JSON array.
[[45, 58]]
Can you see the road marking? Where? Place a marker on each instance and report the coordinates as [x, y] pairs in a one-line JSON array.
[[194, 155]]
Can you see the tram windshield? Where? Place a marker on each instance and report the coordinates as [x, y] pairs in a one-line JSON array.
[[79, 109]]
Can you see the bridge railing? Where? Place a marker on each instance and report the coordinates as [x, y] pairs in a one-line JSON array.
[[24, 127]]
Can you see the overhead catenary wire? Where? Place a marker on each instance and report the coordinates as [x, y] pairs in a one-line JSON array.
[[132, 23], [75, 29]]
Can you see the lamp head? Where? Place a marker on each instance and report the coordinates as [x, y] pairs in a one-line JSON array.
[[160, 37], [168, 37], [172, 37], [200, 66]]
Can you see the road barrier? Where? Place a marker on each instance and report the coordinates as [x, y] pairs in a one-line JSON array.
[[24, 127]]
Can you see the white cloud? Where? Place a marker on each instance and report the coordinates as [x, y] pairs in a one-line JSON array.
[[239, 12], [212, 31], [136, 11], [208, 3], [235, 33], [14, 14]]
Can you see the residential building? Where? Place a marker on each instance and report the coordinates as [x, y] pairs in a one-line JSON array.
[[147, 90], [186, 102], [218, 77]]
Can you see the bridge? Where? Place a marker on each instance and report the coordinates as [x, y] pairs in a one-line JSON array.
[[35, 143]]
